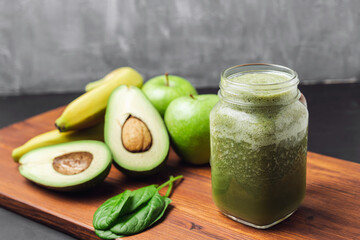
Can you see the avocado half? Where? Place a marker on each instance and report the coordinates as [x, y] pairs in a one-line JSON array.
[[69, 166], [135, 132]]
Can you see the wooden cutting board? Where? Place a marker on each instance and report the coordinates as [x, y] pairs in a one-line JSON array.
[[331, 209]]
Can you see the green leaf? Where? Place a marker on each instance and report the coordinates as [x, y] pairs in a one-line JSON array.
[[109, 211], [138, 198], [107, 234], [141, 219], [167, 202], [132, 212]]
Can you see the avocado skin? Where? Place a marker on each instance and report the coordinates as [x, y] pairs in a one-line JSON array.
[[83, 186], [142, 174]]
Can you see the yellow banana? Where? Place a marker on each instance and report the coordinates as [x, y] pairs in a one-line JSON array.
[[89, 109], [90, 86], [115, 74], [55, 137]]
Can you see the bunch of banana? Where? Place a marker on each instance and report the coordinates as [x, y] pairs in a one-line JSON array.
[[54, 137], [83, 118], [89, 109]]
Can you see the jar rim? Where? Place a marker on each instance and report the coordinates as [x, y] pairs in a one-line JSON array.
[[262, 94], [276, 67]]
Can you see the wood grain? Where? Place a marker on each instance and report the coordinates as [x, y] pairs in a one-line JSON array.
[[331, 209]]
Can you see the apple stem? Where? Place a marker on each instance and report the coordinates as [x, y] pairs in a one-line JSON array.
[[167, 79], [192, 96]]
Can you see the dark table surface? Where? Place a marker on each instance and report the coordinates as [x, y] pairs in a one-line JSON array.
[[334, 130]]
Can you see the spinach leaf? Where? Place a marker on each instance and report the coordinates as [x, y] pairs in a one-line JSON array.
[[141, 219], [166, 199], [132, 212], [108, 212], [107, 234], [167, 202], [121, 205], [138, 198]]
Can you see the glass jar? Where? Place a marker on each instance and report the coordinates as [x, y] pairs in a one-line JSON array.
[[259, 144]]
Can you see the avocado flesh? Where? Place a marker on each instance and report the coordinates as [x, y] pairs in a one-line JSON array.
[[124, 103], [37, 165]]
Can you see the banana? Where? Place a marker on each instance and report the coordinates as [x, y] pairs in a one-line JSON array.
[[90, 86], [55, 137], [89, 109], [117, 73]]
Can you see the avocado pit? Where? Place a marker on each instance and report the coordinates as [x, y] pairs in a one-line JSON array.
[[135, 135], [72, 163]]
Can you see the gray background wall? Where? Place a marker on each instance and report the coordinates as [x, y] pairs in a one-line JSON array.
[[56, 46]]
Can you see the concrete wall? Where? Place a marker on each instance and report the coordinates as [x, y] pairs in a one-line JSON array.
[[55, 46]]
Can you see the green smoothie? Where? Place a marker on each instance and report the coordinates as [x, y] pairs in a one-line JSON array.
[[258, 148]]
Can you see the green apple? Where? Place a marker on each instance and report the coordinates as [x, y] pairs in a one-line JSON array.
[[187, 121], [161, 90]]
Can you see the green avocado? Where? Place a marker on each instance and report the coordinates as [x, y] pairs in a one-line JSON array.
[[69, 166], [135, 133]]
